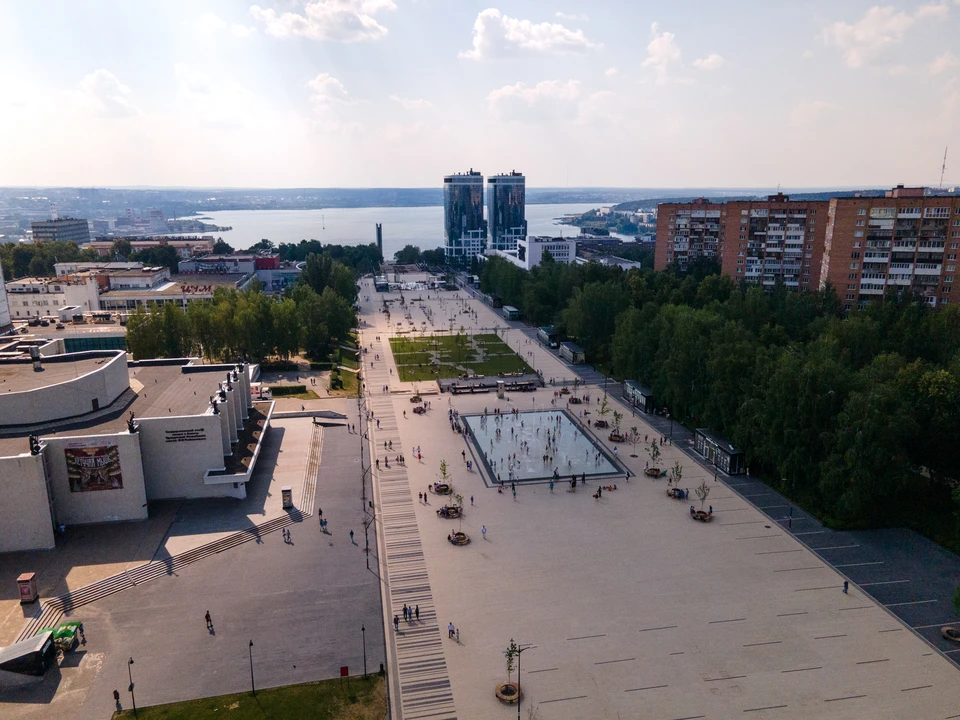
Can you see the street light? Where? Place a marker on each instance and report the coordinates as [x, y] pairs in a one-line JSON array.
[[253, 686], [519, 693], [363, 632], [133, 698]]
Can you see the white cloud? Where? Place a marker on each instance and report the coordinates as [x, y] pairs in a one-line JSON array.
[[224, 105], [327, 90], [242, 31], [599, 108], [496, 34], [336, 20], [191, 81], [944, 62], [209, 23], [610, 71], [898, 71], [582, 17], [879, 29], [806, 112], [545, 101], [411, 103], [103, 93], [710, 62], [662, 52]]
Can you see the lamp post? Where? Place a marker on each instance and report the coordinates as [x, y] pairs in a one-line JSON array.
[[519, 694], [253, 687], [133, 697], [363, 632]]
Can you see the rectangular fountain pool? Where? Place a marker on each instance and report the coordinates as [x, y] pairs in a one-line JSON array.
[[533, 445]]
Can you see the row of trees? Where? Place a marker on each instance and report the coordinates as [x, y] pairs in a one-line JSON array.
[[411, 255], [312, 316], [856, 417], [38, 259]]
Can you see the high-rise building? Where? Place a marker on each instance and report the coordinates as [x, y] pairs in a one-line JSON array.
[[777, 240], [506, 210], [688, 231], [907, 240], [61, 229], [464, 229]]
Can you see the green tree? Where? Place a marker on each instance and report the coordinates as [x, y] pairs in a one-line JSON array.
[[121, 249], [263, 245], [221, 247], [286, 327], [409, 255]]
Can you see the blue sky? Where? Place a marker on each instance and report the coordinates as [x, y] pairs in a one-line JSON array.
[[376, 93]]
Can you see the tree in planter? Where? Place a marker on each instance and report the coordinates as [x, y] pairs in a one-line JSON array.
[[511, 658], [676, 475], [445, 473], [702, 492], [617, 419], [654, 452], [634, 438], [460, 341], [604, 405]]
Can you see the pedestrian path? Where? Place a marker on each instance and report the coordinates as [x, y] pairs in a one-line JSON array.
[[421, 667]]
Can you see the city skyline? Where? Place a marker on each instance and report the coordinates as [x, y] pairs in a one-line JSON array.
[[393, 93]]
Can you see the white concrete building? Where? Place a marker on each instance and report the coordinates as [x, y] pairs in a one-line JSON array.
[[42, 297], [91, 438], [4, 307], [530, 250]]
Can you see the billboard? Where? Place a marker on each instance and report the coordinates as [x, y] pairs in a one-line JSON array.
[[93, 468]]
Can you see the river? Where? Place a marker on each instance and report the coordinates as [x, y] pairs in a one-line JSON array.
[[420, 226]]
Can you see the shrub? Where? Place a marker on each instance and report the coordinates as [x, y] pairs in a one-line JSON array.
[[279, 390]]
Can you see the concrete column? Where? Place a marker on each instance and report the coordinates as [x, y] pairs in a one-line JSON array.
[[224, 429]]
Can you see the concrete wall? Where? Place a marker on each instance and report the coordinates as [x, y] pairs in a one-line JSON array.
[[109, 505], [177, 453], [4, 308], [67, 399], [24, 504]]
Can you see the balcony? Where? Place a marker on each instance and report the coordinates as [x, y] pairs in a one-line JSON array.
[[927, 269]]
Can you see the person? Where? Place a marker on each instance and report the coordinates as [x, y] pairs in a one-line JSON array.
[[483, 531], [514, 493], [420, 496], [450, 630], [416, 612], [458, 635], [208, 619], [599, 492], [351, 536], [692, 510], [471, 499], [551, 486], [406, 612], [846, 586], [710, 512], [116, 696], [396, 623]]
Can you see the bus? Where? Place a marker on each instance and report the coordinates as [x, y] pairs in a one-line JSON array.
[[510, 312]]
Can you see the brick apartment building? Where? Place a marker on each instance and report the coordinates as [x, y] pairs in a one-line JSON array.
[[907, 240], [756, 241]]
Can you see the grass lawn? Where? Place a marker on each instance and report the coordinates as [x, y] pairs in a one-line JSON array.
[[308, 395], [413, 357], [349, 388], [356, 699]]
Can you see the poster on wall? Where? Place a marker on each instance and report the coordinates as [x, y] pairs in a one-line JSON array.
[[94, 468]]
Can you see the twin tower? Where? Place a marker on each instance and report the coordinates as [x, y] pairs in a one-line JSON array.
[[465, 228]]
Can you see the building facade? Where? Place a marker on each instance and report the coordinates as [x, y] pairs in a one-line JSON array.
[[61, 230], [4, 306], [42, 297], [530, 250], [906, 241], [464, 229], [185, 247], [506, 210], [777, 240], [689, 231]]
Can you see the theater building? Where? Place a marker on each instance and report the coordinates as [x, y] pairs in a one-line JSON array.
[[91, 437]]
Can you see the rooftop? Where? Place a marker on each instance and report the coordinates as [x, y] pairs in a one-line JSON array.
[[157, 391], [18, 377], [186, 285]]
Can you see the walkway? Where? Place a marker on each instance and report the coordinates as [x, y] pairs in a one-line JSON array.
[[417, 649]]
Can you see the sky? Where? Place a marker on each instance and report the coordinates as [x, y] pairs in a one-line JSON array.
[[398, 93]]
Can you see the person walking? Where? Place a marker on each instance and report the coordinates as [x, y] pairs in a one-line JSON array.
[[210, 620], [406, 612], [450, 630], [514, 494], [846, 586], [396, 623], [416, 612], [351, 537], [458, 636], [483, 531]]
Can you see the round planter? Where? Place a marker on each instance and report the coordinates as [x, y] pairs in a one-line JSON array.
[[508, 692], [459, 538]]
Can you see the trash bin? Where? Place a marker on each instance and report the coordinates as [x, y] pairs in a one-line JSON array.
[[286, 493], [500, 386], [27, 582]]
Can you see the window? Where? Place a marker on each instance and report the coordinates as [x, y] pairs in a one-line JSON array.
[[948, 278], [852, 276], [862, 211], [951, 268], [936, 212], [856, 244], [861, 223], [858, 233], [851, 287], [740, 262], [849, 297], [854, 266], [854, 254], [950, 256], [743, 212]]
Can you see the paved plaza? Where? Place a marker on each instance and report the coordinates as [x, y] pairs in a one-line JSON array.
[[634, 609]]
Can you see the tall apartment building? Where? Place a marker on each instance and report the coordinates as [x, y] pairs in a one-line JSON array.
[[61, 229], [687, 231], [464, 229], [506, 210], [906, 240], [777, 240]]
